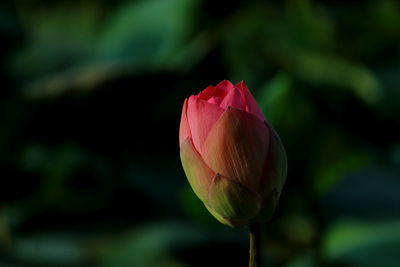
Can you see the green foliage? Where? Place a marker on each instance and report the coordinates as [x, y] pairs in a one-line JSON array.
[[364, 243]]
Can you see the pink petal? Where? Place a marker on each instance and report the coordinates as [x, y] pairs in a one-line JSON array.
[[237, 147], [198, 173], [234, 99], [223, 88], [252, 105], [215, 100], [207, 93], [184, 130], [202, 117]]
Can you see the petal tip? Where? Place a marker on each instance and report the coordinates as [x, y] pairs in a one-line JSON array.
[[225, 85]]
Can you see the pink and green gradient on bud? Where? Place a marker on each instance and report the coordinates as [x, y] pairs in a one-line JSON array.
[[233, 158]]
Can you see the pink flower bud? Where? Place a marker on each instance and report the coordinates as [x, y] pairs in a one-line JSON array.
[[234, 160]]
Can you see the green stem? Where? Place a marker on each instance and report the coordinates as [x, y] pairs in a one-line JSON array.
[[255, 245]]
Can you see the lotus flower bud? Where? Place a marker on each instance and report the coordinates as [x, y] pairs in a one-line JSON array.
[[234, 160]]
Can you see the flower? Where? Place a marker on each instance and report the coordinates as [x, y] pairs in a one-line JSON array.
[[233, 158]]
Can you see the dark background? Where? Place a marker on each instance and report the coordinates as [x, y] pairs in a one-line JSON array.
[[90, 102]]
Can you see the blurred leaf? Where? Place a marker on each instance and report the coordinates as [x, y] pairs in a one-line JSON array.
[[152, 246], [321, 69], [308, 24], [364, 243], [286, 107], [339, 158], [299, 42], [137, 37], [142, 34], [49, 250], [305, 260], [372, 192], [371, 40], [58, 37], [274, 96], [81, 78], [330, 174], [387, 15], [149, 246], [253, 37]]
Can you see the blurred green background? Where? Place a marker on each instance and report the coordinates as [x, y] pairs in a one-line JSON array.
[[90, 102]]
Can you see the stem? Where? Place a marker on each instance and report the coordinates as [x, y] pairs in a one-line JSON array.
[[255, 245]]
